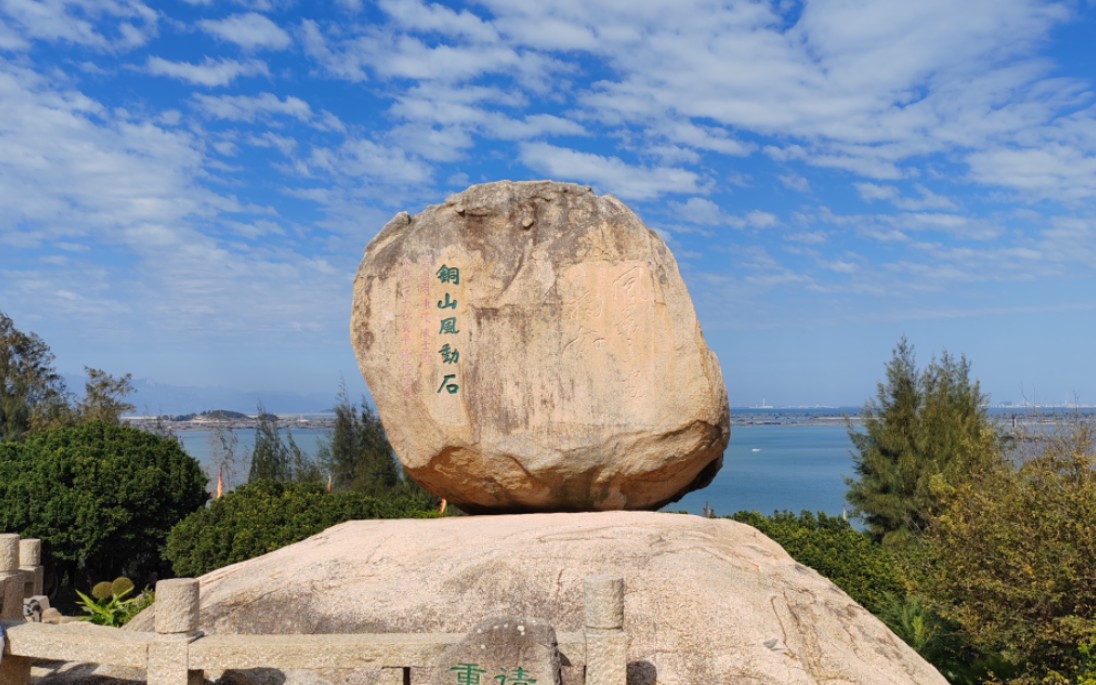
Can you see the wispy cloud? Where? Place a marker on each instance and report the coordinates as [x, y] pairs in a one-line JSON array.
[[807, 162], [210, 72], [611, 174], [104, 25], [251, 31], [249, 108]]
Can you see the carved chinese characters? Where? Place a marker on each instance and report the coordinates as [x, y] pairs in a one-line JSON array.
[[531, 347], [449, 355]]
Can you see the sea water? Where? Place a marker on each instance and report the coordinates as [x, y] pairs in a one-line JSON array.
[[769, 468], [202, 445], [766, 468]]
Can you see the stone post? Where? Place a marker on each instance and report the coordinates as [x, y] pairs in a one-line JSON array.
[[606, 643], [14, 670], [30, 562], [11, 579], [176, 611]]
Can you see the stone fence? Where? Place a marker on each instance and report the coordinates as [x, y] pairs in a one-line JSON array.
[[178, 653]]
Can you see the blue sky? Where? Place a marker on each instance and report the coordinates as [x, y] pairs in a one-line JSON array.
[[186, 188]]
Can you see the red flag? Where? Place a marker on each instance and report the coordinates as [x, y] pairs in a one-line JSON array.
[[220, 484]]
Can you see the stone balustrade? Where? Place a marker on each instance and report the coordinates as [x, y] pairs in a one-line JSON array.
[[178, 653]]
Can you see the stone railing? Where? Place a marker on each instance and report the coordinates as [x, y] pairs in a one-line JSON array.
[[178, 653]]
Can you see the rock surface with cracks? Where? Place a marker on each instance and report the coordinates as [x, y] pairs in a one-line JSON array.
[[705, 600], [531, 347]]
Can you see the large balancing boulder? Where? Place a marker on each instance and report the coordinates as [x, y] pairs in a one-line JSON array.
[[531, 347]]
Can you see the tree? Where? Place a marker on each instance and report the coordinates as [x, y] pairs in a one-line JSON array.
[[264, 516], [104, 396], [101, 497], [270, 457], [223, 442], [1013, 559], [32, 393], [921, 434], [357, 454], [277, 458]]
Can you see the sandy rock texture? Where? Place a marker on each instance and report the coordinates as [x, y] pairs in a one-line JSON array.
[[705, 600], [531, 347]]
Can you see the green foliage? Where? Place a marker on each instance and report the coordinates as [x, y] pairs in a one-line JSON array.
[[1012, 558], [923, 432], [264, 516], [109, 607], [270, 457], [275, 458], [357, 453], [104, 397], [32, 393], [33, 396], [829, 545], [101, 497]]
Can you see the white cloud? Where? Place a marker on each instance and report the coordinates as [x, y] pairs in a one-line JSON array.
[[795, 182], [420, 17], [283, 144], [251, 31], [106, 25], [360, 159], [928, 200], [339, 60], [610, 174], [756, 219], [533, 126], [69, 167], [872, 191], [699, 210], [251, 108], [209, 73], [1054, 171]]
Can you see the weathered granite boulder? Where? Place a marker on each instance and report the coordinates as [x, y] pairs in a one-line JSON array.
[[532, 347], [705, 600]]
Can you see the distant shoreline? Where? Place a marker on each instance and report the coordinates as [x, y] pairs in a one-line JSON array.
[[740, 416], [153, 423]]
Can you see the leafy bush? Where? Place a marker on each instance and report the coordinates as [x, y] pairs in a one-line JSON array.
[[831, 546], [1012, 559], [101, 497], [108, 605], [264, 516]]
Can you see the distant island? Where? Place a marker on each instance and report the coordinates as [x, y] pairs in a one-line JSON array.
[[214, 419]]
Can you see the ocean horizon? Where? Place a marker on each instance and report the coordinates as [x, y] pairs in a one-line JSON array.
[[794, 459]]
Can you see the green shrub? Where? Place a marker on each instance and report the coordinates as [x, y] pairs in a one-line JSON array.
[[101, 497], [1012, 559], [264, 516]]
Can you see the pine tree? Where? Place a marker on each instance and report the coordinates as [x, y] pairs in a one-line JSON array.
[[922, 434]]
